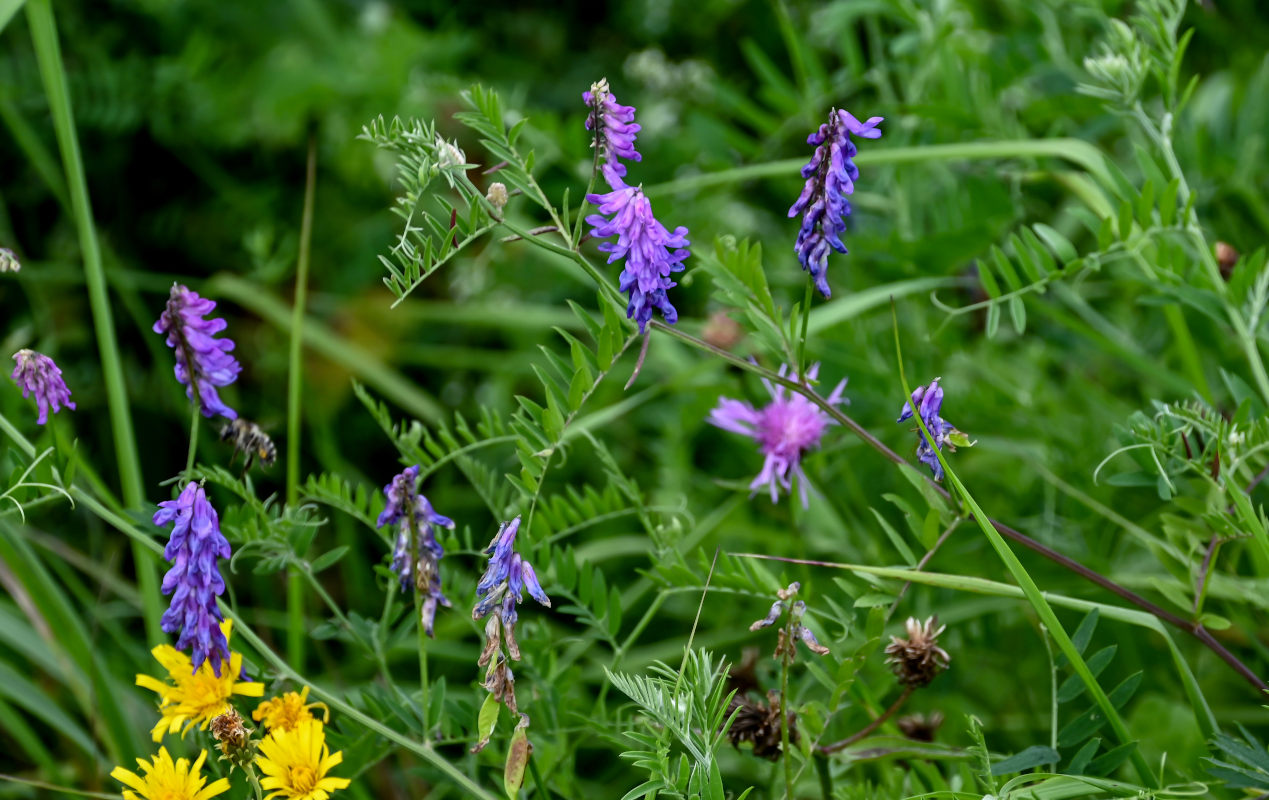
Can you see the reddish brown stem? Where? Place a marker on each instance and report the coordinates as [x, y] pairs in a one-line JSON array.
[[870, 727]]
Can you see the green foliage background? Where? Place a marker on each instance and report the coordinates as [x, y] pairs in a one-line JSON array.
[[194, 120]]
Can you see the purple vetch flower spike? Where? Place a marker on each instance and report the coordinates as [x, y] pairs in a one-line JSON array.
[[203, 362], [194, 581], [786, 429], [830, 177], [36, 374], [614, 127], [415, 518], [651, 252], [502, 587], [928, 402]]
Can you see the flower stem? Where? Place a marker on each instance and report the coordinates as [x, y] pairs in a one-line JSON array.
[[295, 633], [785, 755], [255, 783], [193, 437], [806, 317], [870, 727]]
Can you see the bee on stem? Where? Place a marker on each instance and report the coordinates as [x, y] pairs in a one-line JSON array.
[[248, 438]]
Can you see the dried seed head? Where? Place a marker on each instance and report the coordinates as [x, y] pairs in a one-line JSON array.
[[917, 659], [759, 723], [1226, 258], [497, 195], [233, 738], [920, 727]]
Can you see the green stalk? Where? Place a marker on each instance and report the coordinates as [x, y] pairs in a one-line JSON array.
[[785, 755], [295, 632], [48, 54], [193, 436], [1032, 591]]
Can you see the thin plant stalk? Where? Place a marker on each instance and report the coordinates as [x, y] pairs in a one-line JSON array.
[[48, 55], [193, 437], [295, 632], [785, 755]]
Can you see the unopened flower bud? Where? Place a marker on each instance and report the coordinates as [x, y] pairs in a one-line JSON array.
[[497, 196]]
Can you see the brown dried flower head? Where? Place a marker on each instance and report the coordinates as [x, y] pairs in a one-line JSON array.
[[233, 738], [920, 727], [759, 723], [917, 659], [1226, 258]]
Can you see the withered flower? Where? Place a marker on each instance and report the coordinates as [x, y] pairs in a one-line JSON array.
[[920, 727], [794, 631], [918, 659], [759, 723], [234, 739]]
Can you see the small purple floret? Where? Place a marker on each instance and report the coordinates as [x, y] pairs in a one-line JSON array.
[[616, 126], [36, 374], [414, 516], [194, 580], [929, 403], [652, 253], [787, 428], [202, 361], [830, 178]]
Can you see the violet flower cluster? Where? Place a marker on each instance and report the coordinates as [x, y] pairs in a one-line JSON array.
[[194, 581], [502, 587], [416, 523], [36, 374], [613, 124], [928, 400], [830, 178], [203, 362], [651, 252], [786, 429]]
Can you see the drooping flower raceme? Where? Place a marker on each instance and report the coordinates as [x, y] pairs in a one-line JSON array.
[[37, 375], [786, 429], [614, 126], [203, 362], [194, 697], [651, 252], [416, 523], [194, 581], [830, 178], [928, 400], [499, 590], [502, 587]]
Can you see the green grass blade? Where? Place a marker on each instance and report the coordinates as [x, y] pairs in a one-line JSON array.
[[48, 54]]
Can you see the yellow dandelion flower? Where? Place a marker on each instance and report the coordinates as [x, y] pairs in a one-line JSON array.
[[285, 712], [188, 698], [161, 779], [295, 763]]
